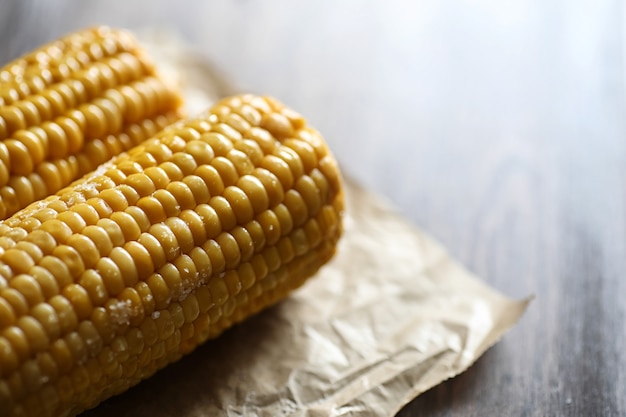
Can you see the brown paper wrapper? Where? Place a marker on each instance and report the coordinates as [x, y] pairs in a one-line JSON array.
[[389, 317]]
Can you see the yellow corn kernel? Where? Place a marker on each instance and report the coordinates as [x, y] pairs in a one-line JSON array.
[[72, 105], [142, 260]]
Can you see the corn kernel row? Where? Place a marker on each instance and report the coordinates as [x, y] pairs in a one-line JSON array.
[[51, 176], [77, 89], [54, 103], [158, 250], [56, 61]]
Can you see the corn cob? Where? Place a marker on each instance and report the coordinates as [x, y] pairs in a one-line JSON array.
[[71, 105], [136, 264]]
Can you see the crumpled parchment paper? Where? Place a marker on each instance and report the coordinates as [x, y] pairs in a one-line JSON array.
[[389, 317]]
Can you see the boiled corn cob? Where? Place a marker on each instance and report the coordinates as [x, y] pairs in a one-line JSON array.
[[71, 105], [160, 249]]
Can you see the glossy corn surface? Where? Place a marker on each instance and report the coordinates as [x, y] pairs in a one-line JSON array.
[[71, 105], [134, 265]]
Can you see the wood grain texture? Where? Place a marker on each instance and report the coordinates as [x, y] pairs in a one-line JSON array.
[[497, 127]]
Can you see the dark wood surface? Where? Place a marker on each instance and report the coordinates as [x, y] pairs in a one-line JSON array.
[[497, 127]]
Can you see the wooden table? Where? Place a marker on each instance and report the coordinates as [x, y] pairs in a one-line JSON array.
[[498, 127]]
